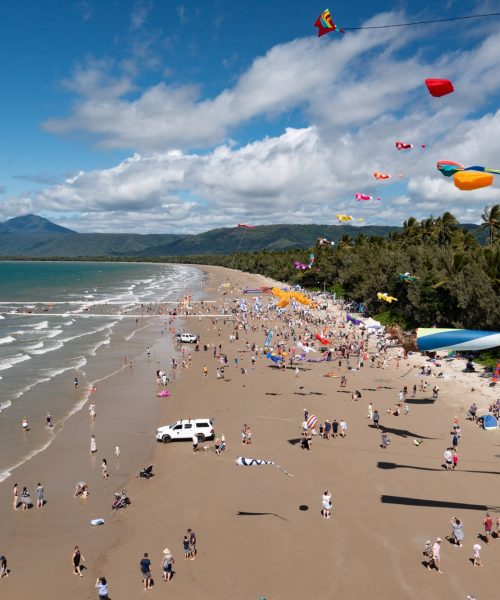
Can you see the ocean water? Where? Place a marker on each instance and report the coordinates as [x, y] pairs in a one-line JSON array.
[[56, 316]]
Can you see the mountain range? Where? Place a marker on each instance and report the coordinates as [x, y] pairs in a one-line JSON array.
[[37, 237]]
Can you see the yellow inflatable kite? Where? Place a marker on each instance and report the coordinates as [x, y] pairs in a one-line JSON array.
[[385, 296]]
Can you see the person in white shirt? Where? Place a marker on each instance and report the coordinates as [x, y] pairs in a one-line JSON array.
[[448, 458]]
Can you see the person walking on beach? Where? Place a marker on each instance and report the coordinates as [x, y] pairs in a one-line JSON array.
[[167, 563], [48, 421], [4, 571], [25, 425], [15, 492], [75, 382], [343, 428], [192, 543], [195, 443], [458, 531], [77, 558], [454, 460], [92, 411], [187, 547], [326, 504], [102, 588], [385, 440], [448, 459], [93, 444], [488, 527], [436, 556], [205, 371], [26, 499], [104, 468], [145, 566], [40, 500], [376, 418], [370, 411], [477, 555]]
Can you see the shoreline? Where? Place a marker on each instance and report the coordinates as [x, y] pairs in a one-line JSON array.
[[248, 520]]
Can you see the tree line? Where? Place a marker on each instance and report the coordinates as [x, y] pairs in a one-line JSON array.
[[457, 280]]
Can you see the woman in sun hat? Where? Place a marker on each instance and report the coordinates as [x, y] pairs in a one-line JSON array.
[[167, 562]]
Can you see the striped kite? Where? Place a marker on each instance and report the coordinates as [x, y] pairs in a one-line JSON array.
[[258, 462], [325, 24], [432, 339]]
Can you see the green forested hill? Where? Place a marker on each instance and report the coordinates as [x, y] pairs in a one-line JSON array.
[[25, 236]]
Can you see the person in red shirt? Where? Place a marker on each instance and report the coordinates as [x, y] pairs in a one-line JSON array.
[[488, 527]]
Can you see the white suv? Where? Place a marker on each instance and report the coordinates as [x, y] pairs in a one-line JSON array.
[[186, 338], [185, 429]]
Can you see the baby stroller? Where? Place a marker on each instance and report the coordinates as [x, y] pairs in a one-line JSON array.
[[121, 500], [147, 472]]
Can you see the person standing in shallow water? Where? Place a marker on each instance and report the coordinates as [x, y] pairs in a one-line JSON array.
[[93, 445]]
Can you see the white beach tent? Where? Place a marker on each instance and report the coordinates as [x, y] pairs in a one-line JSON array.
[[372, 324]]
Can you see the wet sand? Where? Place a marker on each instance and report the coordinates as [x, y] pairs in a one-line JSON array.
[[253, 538]]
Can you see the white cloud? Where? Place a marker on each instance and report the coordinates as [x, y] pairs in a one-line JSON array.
[[359, 93]]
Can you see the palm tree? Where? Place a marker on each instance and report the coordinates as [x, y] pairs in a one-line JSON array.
[[445, 227], [491, 221]]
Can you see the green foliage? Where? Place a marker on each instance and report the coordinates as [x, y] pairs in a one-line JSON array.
[[457, 280]]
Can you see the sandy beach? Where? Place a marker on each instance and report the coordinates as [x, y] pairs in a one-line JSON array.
[[260, 533]]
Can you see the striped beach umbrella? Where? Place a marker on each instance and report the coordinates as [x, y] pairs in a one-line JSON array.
[[311, 421]]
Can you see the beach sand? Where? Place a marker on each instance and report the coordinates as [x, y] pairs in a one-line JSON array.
[[260, 532]]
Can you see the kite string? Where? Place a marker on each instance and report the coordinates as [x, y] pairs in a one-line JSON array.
[[479, 16]]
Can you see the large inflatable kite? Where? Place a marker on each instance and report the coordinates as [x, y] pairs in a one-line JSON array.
[[472, 180], [286, 297], [325, 242], [305, 349], [406, 278], [439, 87], [379, 175], [386, 298], [363, 197], [241, 461], [403, 146], [467, 178], [343, 218], [431, 339], [322, 340]]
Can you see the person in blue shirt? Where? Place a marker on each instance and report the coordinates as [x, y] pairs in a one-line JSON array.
[[146, 571]]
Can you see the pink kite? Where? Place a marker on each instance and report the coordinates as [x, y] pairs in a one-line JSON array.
[[363, 197]]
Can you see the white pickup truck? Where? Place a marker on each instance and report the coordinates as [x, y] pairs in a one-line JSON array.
[[186, 338]]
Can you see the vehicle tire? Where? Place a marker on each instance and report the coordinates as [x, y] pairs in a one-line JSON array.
[[201, 437], [166, 439]]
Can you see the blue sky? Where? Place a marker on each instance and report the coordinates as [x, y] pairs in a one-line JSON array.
[[163, 116]]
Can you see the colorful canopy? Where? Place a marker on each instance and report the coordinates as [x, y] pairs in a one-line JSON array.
[[431, 339]]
